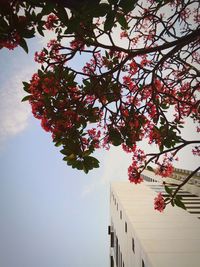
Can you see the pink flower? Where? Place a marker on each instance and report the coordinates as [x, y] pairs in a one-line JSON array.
[[133, 67], [46, 125], [123, 34], [128, 149], [51, 20], [134, 175], [165, 169], [11, 42], [37, 109], [154, 134], [40, 57], [77, 44], [196, 151], [159, 203]]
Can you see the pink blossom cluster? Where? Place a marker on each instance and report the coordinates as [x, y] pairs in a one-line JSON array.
[[77, 44], [11, 42], [159, 203], [51, 22], [40, 57], [134, 175], [196, 151], [165, 169]]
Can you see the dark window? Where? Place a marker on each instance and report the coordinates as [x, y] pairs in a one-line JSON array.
[[126, 227], [109, 229], [120, 214], [123, 264], [116, 256], [112, 238], [143, 265], [133, 245], [111, 261]]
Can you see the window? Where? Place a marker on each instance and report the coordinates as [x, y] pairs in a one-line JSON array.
[[112, 238], [126, 227], [116, 256], [120, 214], [143, 265], [111, 261], [117, 206], [109, 229], [133, 245]]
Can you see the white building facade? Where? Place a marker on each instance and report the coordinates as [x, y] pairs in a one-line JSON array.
[[143, 237]]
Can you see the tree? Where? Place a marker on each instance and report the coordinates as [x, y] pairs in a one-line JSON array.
[[141, 89]]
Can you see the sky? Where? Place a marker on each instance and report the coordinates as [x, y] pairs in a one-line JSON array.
[[51, 215]]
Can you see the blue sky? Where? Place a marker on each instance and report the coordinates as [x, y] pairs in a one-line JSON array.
[[51, 215]]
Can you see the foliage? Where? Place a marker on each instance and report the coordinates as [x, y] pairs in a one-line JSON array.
[[142, 66]]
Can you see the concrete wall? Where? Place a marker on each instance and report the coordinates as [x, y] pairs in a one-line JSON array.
[[168, 239]]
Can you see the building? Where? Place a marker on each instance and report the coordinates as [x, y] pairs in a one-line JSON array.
[[143, 237]]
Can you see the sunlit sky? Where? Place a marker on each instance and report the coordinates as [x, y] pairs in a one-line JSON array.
[[50, 214]]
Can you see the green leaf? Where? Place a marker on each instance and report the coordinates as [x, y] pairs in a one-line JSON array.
[[178, 197], [73, 25], [59, 143], [127, 5], [48, 8], [78, 165], [168, 190], [3, 25], [28, 33], [165, 106], [109, 23], [122, 21], [26, 87], [179, 203], [40, 73], [62, 14], [40, 30], [113, 1], [100, 10], [87, 153], [25, 98], [161, 148], [85, 169], [91, 162], [71, 157], [129, 142], [64, 151], [115, 137], [150, 168], [23, 44]]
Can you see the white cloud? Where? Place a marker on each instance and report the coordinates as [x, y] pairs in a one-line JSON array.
[[13, 113]]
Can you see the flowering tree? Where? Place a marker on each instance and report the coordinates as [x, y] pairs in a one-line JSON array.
[[138, 78]]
